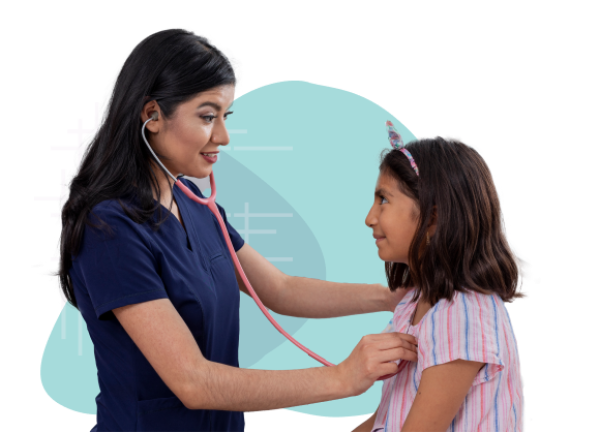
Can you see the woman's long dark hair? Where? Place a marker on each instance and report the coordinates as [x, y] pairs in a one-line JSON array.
[[170, 67], [468, 249]]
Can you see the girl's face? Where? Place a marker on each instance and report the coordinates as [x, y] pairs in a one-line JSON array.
[[196, 127], [393, 218]]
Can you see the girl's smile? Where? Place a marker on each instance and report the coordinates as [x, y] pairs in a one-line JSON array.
[[394, 219]]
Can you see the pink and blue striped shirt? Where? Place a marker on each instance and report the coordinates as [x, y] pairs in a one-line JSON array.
[[473, 327]]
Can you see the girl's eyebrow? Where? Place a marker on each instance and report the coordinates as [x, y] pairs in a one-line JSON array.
[[382, 191]]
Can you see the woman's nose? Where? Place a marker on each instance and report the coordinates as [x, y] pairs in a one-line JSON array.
[[220, 135]]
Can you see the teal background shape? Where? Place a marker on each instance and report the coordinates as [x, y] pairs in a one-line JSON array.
[[296, 148]]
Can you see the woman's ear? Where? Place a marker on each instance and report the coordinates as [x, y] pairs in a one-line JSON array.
[[151, 109]]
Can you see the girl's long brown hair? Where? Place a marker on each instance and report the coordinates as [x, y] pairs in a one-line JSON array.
[[468, 249]]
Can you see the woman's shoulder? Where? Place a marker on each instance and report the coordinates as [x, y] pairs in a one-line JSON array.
[[107, 207], [111, 211], [114, 218]]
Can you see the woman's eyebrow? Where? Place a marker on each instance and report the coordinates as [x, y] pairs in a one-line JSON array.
[[212, 104]]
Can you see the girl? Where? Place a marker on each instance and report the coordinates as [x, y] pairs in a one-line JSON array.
[[437, 224]]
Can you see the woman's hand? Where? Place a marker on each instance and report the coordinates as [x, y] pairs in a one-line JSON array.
[[374, 357], [394, 298]]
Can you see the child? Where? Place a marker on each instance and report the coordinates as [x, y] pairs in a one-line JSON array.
[[437, 224]]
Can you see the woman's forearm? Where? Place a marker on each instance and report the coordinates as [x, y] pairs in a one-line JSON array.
[[308, 297], [221, 387]]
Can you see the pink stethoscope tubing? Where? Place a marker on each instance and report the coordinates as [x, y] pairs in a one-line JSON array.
[[210, 202]]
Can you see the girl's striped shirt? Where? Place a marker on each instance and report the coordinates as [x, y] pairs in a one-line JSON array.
[[472, 327]]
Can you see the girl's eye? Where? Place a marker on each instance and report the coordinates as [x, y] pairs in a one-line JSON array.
[[383, 200]]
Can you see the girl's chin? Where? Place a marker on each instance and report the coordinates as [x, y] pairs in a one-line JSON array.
[[390, 258]]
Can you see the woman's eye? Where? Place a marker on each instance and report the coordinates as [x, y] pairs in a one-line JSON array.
[[383, 200], [209, 119]]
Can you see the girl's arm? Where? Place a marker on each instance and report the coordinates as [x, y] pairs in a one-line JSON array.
[[368, 424], [442, 391]]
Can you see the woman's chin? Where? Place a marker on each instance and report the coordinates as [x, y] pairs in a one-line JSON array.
[[201, 173]]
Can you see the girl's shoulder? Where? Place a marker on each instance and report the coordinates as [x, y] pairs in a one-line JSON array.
[[470, 304], [469, 314]]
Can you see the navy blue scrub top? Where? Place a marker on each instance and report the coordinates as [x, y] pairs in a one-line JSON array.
[[192, 267]]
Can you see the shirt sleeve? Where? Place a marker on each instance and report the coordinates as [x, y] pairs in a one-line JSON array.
[[399, 312], [464, 329], [118, 268], [389, 327], [235, 237]]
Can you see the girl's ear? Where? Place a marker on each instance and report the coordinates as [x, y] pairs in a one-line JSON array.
[[433, 222]]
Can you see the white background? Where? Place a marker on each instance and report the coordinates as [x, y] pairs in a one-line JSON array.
[[517, 81]]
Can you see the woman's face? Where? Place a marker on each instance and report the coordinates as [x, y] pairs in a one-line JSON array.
[[393, 218], [196, 128]]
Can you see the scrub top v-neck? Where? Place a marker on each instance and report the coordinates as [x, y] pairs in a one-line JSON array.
[[189, 265], [182, 222]]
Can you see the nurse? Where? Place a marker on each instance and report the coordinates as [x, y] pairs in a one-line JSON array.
[[151, 274]]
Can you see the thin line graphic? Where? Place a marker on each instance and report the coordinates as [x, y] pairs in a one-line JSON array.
[[264, 148], [80, 335], [63, 323]]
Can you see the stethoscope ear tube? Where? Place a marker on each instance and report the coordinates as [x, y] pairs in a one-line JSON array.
[[210, 202]]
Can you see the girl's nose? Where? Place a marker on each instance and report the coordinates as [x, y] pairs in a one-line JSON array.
[[371, 218]]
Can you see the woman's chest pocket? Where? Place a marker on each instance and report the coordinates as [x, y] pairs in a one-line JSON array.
[[222, 273]]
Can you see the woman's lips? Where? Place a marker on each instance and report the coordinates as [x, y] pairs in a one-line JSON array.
[[212, 160]]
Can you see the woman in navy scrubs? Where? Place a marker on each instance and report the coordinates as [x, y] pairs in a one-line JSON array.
[[151, 274]]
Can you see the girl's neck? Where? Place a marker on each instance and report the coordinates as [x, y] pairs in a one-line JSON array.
[[422, 308]]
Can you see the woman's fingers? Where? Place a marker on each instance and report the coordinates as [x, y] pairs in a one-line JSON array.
[[409, 354], [384, 335], [394, 346], [407, 337], [407, 347]]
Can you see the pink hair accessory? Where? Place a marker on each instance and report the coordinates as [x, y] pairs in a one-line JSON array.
[[397, 143]]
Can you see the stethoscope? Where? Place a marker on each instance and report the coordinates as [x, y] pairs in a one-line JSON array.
[[210, 202]]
